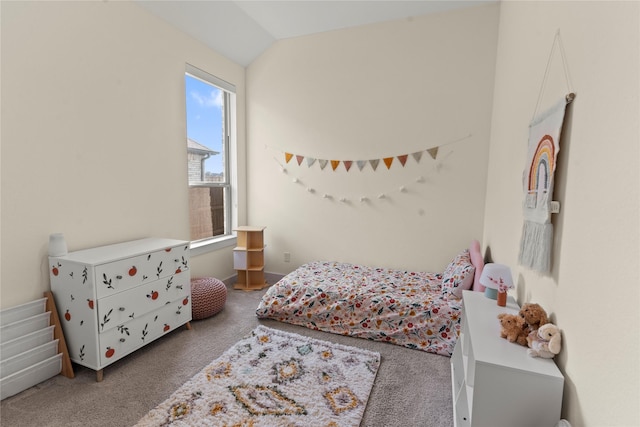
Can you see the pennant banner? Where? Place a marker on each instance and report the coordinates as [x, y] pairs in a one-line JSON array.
[[388, 161], [384, 196]]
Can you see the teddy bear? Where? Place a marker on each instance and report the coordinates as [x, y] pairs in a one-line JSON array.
[[534, 316], [513, 328], [545, 342]]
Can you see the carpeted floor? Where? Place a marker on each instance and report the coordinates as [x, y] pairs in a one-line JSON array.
[[412, 388]]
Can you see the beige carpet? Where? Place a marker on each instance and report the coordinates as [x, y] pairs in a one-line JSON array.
[[412, 388]]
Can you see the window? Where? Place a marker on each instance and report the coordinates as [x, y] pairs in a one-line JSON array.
[[210, 126]]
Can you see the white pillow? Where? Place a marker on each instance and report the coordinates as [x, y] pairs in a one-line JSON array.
[[458, 275]]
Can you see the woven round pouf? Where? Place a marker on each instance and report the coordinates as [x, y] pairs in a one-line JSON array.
[[208, 296]]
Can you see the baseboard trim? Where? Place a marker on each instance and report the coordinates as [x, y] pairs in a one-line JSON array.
[[271, 278]]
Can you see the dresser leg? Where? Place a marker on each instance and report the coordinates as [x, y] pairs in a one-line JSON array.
[[99, 375], [188, 324]]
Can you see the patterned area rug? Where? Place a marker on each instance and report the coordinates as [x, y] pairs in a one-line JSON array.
[[274, 378]]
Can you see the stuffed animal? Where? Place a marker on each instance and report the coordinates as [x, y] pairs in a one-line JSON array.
[[513, 328], [534, 316], [545, 342]]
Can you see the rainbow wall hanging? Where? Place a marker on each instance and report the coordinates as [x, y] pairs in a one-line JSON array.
[[537, 230]]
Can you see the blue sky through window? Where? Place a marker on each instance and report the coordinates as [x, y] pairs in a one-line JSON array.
[[204, 119]]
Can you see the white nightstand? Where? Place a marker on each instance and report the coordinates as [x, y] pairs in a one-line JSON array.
[[496, 383]]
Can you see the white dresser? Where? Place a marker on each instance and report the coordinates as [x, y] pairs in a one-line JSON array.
[[114, 299], [496, 383]]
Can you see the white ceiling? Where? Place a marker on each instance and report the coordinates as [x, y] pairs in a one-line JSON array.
[[241, 30]]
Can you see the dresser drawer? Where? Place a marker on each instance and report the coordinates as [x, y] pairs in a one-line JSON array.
[[135, 302], [128, 337], [123, 274]]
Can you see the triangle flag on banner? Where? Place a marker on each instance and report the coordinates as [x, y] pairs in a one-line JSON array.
[[433, 152], [403, 159], [361, 163], [310, 161], [334, 164], [417, 156], [299, 158], [287, 157], [387, 161], [322, 163], [347, 164], [374, 163]]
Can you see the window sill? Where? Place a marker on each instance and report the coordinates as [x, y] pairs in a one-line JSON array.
[[213, 244]]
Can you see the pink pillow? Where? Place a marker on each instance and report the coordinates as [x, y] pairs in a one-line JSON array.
[[478, 262]]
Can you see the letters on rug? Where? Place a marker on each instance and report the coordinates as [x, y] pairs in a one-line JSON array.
[[274, 378]]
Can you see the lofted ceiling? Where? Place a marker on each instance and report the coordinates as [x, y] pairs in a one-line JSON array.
[[241, 29]]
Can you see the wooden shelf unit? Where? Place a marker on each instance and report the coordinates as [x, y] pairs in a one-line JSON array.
[[248, 258]]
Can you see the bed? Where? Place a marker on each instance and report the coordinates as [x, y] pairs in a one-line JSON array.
[[418, 310]]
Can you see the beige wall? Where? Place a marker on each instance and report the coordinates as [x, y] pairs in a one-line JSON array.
[[364, 93], [90, 88], [93, 133], [592, 292]]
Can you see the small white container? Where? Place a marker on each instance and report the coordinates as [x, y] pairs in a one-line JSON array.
[[26, 342], [28, 377], [239, 260], [57, 245]]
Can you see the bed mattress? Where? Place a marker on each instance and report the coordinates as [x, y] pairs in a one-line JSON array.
[[405, 308]]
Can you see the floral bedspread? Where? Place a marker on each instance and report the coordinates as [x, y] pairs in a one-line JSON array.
[[401, 307]]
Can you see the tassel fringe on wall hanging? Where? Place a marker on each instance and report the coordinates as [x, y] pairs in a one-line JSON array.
[[538, 180], [537, 230]]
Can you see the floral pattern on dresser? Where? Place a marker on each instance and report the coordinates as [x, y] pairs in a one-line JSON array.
[[400, 307]]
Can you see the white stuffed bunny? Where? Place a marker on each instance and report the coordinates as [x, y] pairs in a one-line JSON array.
[[546, 342]]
